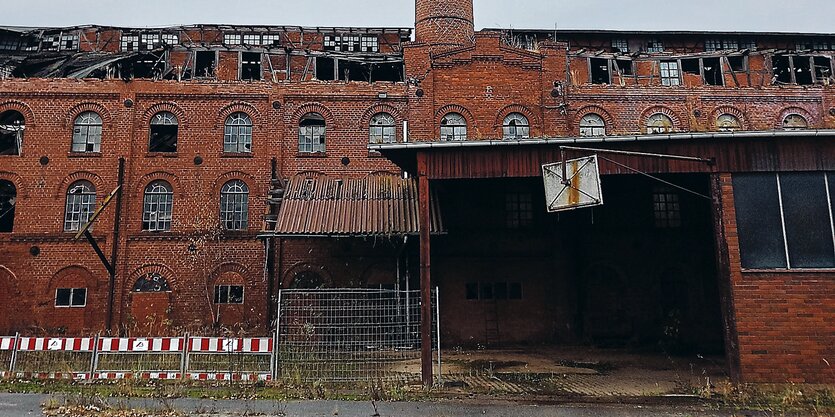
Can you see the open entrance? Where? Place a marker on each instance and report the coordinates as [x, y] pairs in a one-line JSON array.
[[632, 283]]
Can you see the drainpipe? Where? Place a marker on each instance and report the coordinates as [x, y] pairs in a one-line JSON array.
[[114, 248]]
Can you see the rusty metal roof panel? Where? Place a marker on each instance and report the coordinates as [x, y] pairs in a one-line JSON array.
[[376, 205]]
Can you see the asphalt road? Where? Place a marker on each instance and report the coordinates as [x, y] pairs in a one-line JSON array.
[[24, 405]]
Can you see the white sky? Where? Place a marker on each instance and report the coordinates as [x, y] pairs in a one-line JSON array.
[[726, 15]]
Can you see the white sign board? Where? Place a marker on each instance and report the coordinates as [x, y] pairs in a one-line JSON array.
[[580, 188]]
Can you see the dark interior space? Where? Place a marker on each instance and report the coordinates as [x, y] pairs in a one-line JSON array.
[[8, 198], [12, 127]]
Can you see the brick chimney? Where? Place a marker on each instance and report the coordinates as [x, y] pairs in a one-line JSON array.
[[444, 24]]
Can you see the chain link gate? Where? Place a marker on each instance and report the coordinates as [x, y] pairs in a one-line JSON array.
[[351, 335]]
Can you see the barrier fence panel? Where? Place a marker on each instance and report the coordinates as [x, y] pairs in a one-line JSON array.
[[141, 358], [46, 357], [7, 353], [214, 358], [351, 335]]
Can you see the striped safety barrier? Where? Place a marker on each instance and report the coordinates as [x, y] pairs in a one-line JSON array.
[[7, 343], [73, 344], [79, 376], [140, 375], [140, 345], [222, 345], [208, 376]]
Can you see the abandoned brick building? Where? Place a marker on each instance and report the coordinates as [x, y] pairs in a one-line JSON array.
[[257, 158]]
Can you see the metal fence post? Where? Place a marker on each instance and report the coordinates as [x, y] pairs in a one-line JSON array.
[[438, 330], [275, 357], [184, 356], [13, 362], [94, 361]]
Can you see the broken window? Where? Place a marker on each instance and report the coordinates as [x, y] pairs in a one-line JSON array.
[[71, 297], [713, 71], [516, 126], [158, 207], [782, 69], [655, 45], [599, 70], [391, 72], [69, 42], [164, 130], [737, 63], [369, 44], [8, 199], [691, 66], [354, 71], [823, 69], [592, 125], [205, 63], [670, 73], [802, 70], [799, 70], [80, 205], [382, 129], [620, 45], [51, 42], [86, 134], [726, 44], [795, 121], [518, 210], [251, 66], [9, 42], [728, 123], [147, 65], [325, 69], [237, 137], [271, 40], [12, 127], [152, 282], [312, 133], [253, 39], [659, 123], [232, 39], [453, 127], [624, 66], [348, 43], [229, 294], [130, 43], [234, 205], [666, 207]]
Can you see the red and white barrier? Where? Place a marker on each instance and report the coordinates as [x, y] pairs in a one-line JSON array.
[[222, 345], [7, 343], [79, 376], [208, 376], [82, 344], [141, 375], [140, 345]]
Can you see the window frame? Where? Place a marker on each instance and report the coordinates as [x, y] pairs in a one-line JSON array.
[[784, 125], [163, 118], [670, 77], [8, 198], [508, 126], [588, 129], [17, 129], [312, 136], [728, 128], [454, 132], [79, 206], [71, 303], [666, 209], [518, 210], [234, 206], [657, 130], [237, 134], [161, 216], [382, 128], [226, 289], [87, 133]]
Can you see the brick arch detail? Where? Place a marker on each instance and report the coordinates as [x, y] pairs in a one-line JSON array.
[[12, 278], [17, 180], [600, 111], [678, 122], [166, 106], [733, 111], [88, 277], [370, 112], [230, 176], [311, 173], [533, 121], [786, 111], [62, 188], [158, 175], [312, 108], [287, 279], [97, 108], [163, 270], [23, 108], [454, 108], [229, 267], [239, 107]]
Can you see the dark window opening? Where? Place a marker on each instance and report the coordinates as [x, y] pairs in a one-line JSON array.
[[71, 297], [515, 291], [600, 73], [205, 63], [8, 198], [250, 66], [782, 69], [325, 69], [153, 282], [387, 72], [146, 66], [229, 294], [803, 70], [354, 71], [518, 210], [737, 63], [666, 208], [713, 71], [164, 129], [500, 291], [472, 290], [12, 126], [625, 66], [823, 69], [486, 292], [690, 66]]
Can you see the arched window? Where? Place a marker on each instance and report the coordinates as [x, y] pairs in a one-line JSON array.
[[12, 125], [153, 282], [381, 129], [516, 126], [795, 121], [592, 125], [312, 133], [164, 130], [728, 123], [453, 127], [659, 123], [158, 207], [234, 205], [237, 137], [81, 204], [8, 198], [86, 133]]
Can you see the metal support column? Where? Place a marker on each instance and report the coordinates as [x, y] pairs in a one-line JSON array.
[[425, 279]]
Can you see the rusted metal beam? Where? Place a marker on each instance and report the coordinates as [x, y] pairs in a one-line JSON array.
[[425, 278]]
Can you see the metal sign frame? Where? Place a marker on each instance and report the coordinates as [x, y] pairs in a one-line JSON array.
[[570, 184]]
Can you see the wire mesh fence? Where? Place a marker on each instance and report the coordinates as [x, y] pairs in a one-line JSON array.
[[351, 335]]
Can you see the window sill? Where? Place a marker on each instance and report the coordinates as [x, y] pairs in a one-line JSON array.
[[161, 155], [790, 271], [311, 155], [236, 155], [84, 154]]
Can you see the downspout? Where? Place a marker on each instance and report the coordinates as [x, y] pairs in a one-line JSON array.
[[114, 248]]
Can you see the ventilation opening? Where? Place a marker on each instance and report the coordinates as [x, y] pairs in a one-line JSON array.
[[713, 71], [250, 66], [325, 69], [599, 71], [205, 63], [12, 126]]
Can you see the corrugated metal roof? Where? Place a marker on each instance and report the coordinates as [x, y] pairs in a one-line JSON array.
[[376, 205]]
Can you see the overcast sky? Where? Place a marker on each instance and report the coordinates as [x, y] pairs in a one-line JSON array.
[[726, 15]]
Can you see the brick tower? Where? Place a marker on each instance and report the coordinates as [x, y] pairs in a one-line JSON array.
[[444, 23]]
